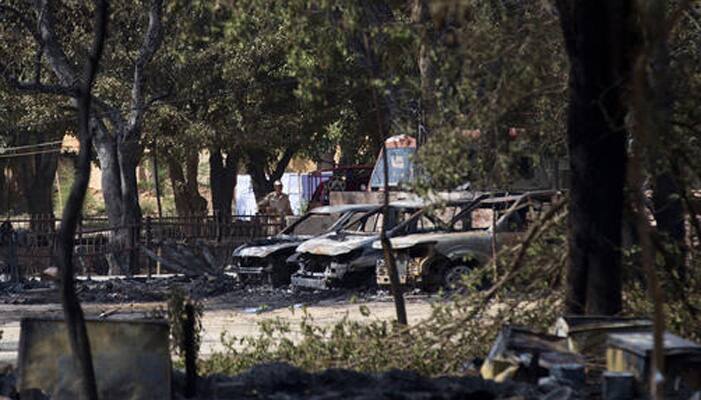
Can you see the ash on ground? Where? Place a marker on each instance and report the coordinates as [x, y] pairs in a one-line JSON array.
[[283, 381], [222, 290]]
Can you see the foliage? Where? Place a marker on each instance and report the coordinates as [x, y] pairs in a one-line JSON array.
[[501, 92]]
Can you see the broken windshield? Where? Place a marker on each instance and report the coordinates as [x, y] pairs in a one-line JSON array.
[[313, 224]]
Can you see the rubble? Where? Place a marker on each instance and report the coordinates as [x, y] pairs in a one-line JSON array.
[[283, 381], [223, 289], [118, 290], [524, 355]]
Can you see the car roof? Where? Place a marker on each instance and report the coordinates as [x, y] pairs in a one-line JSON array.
[[343, 208], [416, 201], [495, 198]]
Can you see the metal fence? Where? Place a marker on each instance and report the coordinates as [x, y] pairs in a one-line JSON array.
[[30, 244]]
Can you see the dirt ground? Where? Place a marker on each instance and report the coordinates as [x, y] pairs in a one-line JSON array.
[[230, 308]]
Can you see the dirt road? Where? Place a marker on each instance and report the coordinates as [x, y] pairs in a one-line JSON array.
[[237, 313]]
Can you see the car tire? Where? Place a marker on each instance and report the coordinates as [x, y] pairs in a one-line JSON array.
[[452, 276]]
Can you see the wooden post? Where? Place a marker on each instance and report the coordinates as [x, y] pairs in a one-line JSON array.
[[190, 351], [149, 238], [80, 244], [14, 267], [218, 221]]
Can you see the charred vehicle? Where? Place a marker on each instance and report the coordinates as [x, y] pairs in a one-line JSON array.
[[264, 259], [441, 258], [346, 257]]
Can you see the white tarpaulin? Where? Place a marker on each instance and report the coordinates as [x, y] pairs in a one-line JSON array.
[[246, 201]]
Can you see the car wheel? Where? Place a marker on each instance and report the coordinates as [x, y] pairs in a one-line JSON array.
[[452, 277]]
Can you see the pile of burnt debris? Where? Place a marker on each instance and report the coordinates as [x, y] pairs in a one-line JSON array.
[[119, 290], [283, 381], [217, 289]]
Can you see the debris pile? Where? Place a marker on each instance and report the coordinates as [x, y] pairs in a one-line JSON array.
[[28, 292], [283, 381], [146, 290], [599, 356], [119, 290]]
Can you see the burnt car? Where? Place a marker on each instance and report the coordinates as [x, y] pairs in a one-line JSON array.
[[441, 258], [263, 260], [346, 257]]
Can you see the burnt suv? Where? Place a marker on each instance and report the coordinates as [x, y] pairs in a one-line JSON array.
[[263, 260], [441, 258], [346, 257]]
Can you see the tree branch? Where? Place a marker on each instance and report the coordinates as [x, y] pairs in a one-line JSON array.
[[55, 55], [152, 41], [282, 163], [35, 87]]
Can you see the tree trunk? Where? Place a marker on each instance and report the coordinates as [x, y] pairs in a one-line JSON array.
[[36, 175], [667, 196], [129, 155], [599, 48], [188, 200], [111, 182], [669, 215], [4, 189], [262, 182], [420, 16], [118, 162], [223, 174]]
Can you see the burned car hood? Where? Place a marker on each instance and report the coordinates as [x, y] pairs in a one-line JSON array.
[[265, 247], [335, 244], [405, 242]]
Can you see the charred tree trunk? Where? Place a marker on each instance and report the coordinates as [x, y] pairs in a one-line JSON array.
[[188, 200], [223, 173], [73, 313], [599, 48]]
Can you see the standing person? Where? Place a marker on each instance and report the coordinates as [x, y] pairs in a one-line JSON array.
[[276, 203]]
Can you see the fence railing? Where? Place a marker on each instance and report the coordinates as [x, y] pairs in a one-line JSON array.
[[30, 241]]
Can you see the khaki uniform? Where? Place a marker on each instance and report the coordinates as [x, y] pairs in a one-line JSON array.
[[275, 203]]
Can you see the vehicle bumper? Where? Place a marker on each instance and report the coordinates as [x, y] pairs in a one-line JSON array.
[[249, 270], [311, 281]]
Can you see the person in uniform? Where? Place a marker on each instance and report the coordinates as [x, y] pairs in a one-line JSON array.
[[276, 203]]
